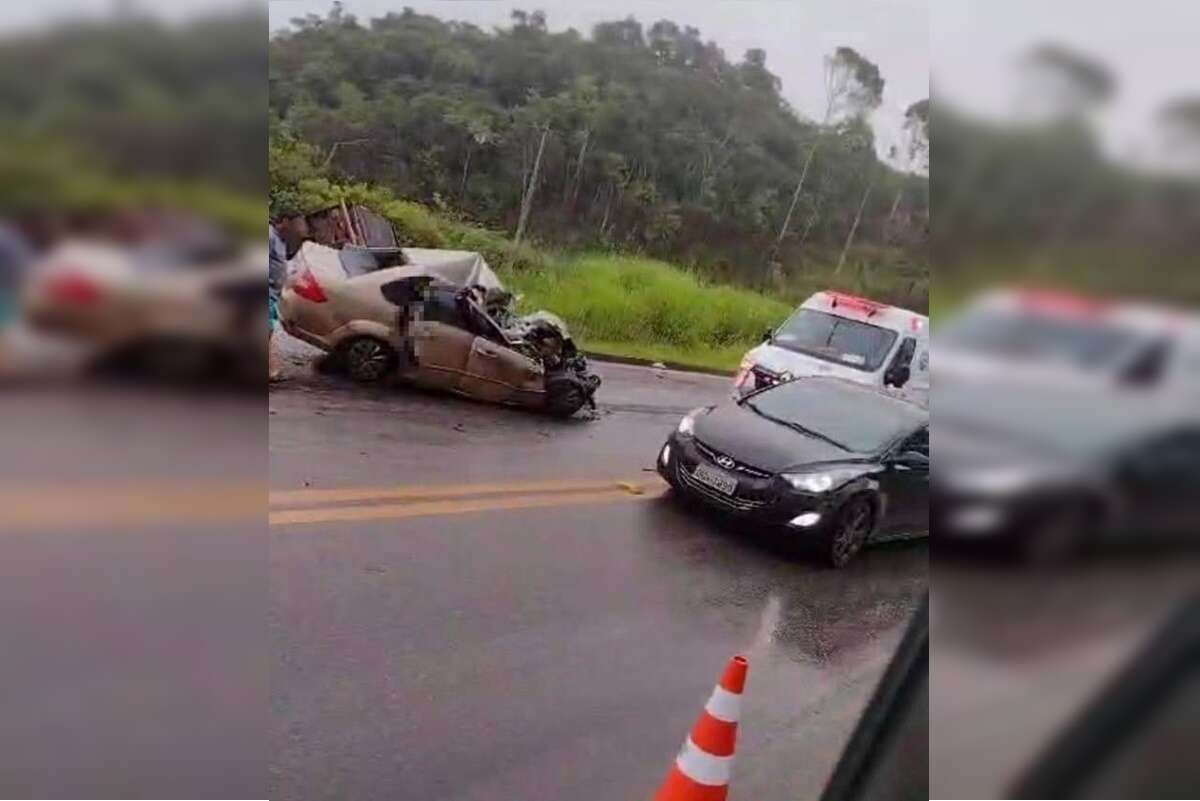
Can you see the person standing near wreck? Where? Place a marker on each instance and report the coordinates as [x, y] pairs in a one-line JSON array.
[[287, 231], [15, 257]]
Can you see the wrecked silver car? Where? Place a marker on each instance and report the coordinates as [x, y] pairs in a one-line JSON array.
[[435, 318]]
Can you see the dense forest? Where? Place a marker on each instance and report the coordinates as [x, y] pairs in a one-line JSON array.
[[1040, 199], [128, 109], [631, 137]]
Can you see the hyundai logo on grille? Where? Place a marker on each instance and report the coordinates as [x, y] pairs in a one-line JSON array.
[[726, 462]]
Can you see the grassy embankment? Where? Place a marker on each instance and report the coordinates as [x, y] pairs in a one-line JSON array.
[[629, 306]]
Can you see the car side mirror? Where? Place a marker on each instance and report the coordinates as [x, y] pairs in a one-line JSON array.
[[1147, 369], [898, 376], [911, 460], [768, 335]]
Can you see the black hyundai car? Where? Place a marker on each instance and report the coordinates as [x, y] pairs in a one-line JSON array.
[[834, 463], [1042, 472]]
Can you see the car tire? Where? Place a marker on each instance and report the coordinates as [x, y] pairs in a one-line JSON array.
[[851, 528], [565, 395], [368, 360], [330, 364]]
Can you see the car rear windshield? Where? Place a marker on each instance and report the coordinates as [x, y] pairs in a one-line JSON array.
[[858, 418], [358, 261], [836, 339]]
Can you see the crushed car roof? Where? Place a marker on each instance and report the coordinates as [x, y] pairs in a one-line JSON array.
[[459, 267]]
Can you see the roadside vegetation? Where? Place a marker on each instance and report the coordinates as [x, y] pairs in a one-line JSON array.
[[129, 112], [643, 138], [664, 199], [1046, 202], [642, 308]]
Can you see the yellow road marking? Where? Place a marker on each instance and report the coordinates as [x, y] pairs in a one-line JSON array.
[[453, 506], [97, 504], [434, 492], [135, 503]]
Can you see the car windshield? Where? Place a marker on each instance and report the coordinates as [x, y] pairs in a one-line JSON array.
[[857, 418], [837, 339], [1083, 343]]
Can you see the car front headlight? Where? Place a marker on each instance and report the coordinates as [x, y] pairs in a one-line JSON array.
[[745, 382], [815, 483], [822, 480], [1010, 480]]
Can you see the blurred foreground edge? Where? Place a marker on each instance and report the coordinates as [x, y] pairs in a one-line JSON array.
[[887, 755], [1137, 737]]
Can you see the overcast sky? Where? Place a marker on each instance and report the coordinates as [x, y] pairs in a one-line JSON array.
[[1150, 46], [796, 34], [973, 46]]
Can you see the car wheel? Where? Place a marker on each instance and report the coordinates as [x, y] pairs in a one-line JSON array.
[[850, 530], [564, 396], [333, 363], [368, 360]]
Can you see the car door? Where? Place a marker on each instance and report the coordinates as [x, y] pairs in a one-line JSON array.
[[1160, 480], [441, 343], [905, 484], [498, 373], [918, 384]]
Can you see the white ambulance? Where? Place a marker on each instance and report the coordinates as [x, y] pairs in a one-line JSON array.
[[1066, 339], [841, 335]]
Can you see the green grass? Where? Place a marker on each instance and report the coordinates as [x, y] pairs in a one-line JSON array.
[[642, 308]]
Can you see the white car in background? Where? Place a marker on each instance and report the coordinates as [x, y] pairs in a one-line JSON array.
[[848, 337]]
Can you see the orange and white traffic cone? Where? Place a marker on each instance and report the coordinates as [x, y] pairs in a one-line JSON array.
[[701, 771]]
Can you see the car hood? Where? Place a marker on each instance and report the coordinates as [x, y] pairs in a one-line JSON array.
[[783, 361], [748, 437]]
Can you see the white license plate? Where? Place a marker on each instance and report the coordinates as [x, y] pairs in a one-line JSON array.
[[714, 478]]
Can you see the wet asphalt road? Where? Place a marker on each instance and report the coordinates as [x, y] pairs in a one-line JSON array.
[[550, 651], [1017, 655], [133, 584]]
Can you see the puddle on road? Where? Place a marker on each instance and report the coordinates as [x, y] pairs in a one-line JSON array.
[[768, 622]]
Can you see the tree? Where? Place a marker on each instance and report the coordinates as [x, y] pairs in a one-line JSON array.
[[525, 21], [1064, 83], [480, 127], [916, 151], [624, 33], [853, 229], [853, 86], [531, 186], [538, 117], [916, 130], [649, 138], [1180, 122], [754, 73]]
